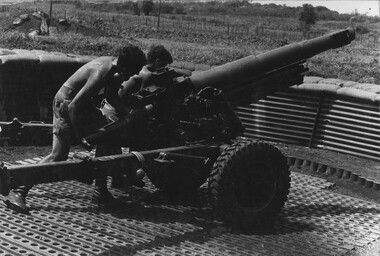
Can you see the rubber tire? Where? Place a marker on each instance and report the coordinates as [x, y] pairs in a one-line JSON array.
[[249, 183]]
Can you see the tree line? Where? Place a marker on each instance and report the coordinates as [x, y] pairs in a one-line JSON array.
[[234, 7]]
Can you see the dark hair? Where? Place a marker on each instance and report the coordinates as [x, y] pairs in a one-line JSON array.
[[159, 52], [131, 56]]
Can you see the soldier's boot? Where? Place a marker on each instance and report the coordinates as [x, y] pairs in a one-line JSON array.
[[16, 199], [101, 195]]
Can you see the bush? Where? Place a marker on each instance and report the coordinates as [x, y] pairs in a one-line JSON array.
[[360, 29], [147, 6], [136, 9], [308, 15], [167, 8], [179, 9]]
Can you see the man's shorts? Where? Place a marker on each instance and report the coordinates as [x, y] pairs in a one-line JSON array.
[[61, 120], [91, 117]]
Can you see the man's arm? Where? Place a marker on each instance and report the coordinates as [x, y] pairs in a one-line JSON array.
[[132, 85]]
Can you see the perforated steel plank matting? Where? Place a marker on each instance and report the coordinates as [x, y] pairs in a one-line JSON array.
[[64, 221]]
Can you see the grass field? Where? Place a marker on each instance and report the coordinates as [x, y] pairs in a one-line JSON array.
[[200, 39]]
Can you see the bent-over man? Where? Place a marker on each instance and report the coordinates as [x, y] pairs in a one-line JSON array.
[[76, 116]]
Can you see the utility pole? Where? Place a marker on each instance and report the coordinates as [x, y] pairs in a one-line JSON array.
[[158, 18], [51, 8]]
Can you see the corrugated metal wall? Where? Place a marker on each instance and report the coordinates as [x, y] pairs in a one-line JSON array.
[[349, 127], [316, 120], [284, 117]]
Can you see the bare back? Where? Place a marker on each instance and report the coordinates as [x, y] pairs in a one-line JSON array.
[[91, 77], [87, 82]]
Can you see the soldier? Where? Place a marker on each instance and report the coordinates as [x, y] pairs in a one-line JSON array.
[[115, 109], [75, 114], [157, 59]]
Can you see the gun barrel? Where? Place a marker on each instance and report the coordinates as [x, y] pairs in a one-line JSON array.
[[252, 66]]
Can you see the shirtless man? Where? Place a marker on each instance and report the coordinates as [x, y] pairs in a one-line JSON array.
[[157, 58], [75, 115]]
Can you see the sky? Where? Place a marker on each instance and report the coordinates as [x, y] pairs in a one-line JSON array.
[[369, 7]]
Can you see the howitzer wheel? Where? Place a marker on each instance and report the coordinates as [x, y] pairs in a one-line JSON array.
[[249, 183]]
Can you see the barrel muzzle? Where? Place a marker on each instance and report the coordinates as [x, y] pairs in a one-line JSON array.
[[343, 37]]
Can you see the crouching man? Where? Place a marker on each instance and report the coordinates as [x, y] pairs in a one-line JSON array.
[[75, 115]]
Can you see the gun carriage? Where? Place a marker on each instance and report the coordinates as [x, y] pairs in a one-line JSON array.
[[183, 131]]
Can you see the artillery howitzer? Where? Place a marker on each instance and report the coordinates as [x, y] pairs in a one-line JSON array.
[[184, 131]]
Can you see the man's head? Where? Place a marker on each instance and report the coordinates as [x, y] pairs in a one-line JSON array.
[[130, 60], [158, 57]]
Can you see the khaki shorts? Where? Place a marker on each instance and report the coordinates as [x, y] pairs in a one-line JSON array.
[[91, 118]]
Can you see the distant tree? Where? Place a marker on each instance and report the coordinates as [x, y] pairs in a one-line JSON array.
[[355, 12], [146, 6], [234, 5], [307, 17], [321, 9], [179, 9], [167, 8], [324, 13], [136, 9]]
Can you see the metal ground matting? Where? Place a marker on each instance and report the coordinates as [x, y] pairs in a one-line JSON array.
[[64, 221]]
